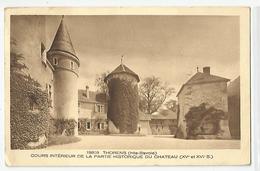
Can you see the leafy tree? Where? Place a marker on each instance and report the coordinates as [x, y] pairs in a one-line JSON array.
[[153, 93]]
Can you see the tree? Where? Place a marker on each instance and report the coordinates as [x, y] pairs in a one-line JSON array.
[[171, 105], [153, 93], [100, 83]]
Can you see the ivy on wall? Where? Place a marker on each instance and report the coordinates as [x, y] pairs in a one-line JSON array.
[[29, 114], [202, 120], [123, 105]]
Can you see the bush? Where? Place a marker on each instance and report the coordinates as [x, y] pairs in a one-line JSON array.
[[67, 125], [200, 115]]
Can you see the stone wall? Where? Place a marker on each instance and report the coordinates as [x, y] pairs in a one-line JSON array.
[[144, 127], [234, 117], [28, 35], [163, 126], [87, 110]]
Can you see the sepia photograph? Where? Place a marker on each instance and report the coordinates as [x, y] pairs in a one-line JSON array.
[[127, 82]]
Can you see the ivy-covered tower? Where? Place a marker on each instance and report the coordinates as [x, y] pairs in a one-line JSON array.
[[65, 62], [123, 99]]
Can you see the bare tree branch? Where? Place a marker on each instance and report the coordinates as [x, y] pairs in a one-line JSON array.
[[153, 93]]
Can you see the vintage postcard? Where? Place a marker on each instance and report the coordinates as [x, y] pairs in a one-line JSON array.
[[127, 86]]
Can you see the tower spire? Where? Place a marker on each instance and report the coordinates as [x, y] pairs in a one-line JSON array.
[[122, 57], [62, 41]]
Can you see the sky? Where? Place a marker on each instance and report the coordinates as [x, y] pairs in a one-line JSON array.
[[168, 47]]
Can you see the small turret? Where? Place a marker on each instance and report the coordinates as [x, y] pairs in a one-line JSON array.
[[123, 95], [66, 64]]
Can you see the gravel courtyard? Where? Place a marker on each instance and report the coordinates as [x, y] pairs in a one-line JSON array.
[[145, 142]]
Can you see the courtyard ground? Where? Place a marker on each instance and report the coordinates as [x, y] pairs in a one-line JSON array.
[[145, 142]]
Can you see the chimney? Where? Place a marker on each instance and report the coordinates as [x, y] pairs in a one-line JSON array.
[[206, 70], [87, 91]]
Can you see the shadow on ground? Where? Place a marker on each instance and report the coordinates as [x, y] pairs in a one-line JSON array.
[[59, 140]]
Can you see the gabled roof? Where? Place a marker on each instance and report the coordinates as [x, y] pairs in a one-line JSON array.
[[164, 114], [201, 78], [62, 41], [123, 69], [94, 97]]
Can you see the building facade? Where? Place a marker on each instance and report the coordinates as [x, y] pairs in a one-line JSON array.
[[55, 68], [234, 108], [164, 122], [92, 112], [204, 88], [143, 126]]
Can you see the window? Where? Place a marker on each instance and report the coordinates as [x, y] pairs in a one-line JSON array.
[[71, 65], [88, 125], [55, 61], [49, 90], [100, 108], [43, 53], [99, 126], [42, 48]]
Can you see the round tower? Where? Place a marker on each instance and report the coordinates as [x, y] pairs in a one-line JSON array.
[[123, 99], [65, 62]]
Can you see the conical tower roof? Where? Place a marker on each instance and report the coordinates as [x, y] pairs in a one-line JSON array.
[[62, 41], [123, 69]]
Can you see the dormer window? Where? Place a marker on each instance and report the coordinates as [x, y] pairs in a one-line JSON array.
[[71, 65], [43, 53], [42, 48], [55, 61], [100, 108]]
